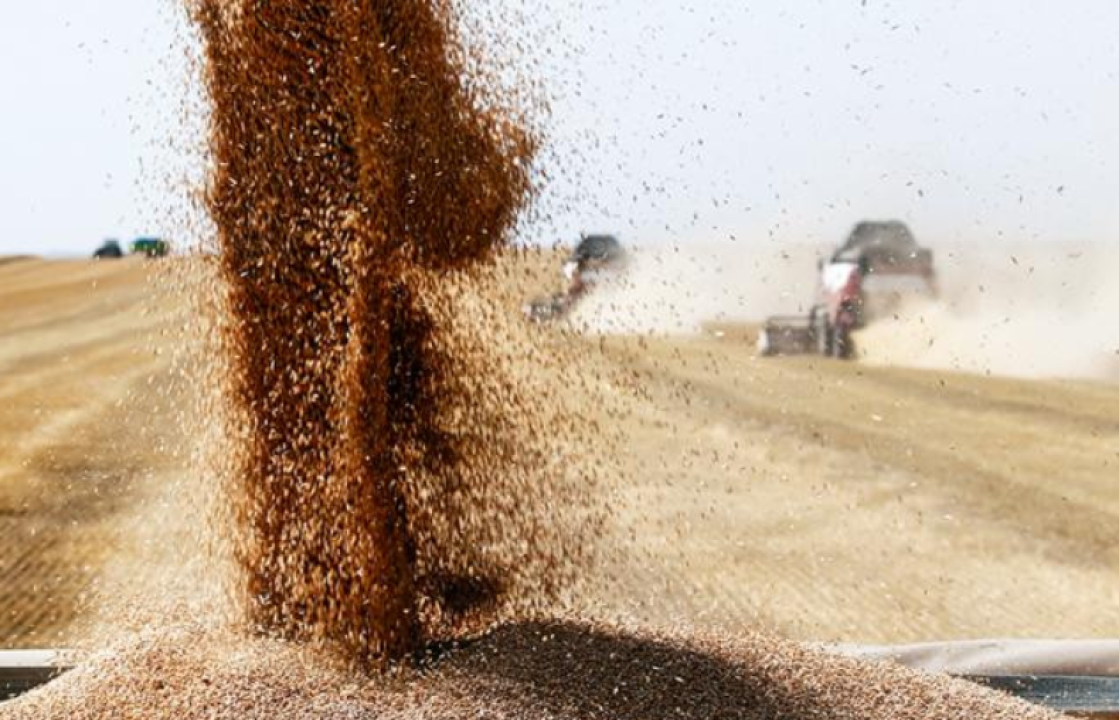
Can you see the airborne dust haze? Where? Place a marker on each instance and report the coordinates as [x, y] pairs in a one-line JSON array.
[[1020, 309], [1023, 310]]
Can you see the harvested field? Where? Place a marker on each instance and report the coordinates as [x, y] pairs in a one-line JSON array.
[[87, 434], [839, 501], [826, 500]]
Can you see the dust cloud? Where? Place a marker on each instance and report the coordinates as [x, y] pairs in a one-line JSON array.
[[676, 289], [1016, 309], [1019, 310]]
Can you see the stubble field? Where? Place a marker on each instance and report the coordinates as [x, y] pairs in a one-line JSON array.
[[826, 500]]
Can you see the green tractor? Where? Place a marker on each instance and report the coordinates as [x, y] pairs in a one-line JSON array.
[[151, 247]]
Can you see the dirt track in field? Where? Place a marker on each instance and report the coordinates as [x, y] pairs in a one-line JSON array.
[[829, 500]]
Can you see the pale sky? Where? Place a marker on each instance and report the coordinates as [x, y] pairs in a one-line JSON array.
[[81, 112], [676, 121]]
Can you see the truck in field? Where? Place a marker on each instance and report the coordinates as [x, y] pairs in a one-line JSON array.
[[870, 276]]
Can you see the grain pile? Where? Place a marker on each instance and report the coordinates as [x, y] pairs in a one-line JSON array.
[[525, 670]]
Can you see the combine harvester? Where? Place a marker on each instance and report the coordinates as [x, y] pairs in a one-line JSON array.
[[595, 260], [869, 277]]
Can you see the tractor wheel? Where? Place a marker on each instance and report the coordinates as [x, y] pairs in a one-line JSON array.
[[843, 345], [824, 334]]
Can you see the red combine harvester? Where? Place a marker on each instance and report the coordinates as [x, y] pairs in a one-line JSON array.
[[869, 277]]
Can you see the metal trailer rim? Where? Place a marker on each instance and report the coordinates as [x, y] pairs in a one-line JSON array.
[[24, 670]]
